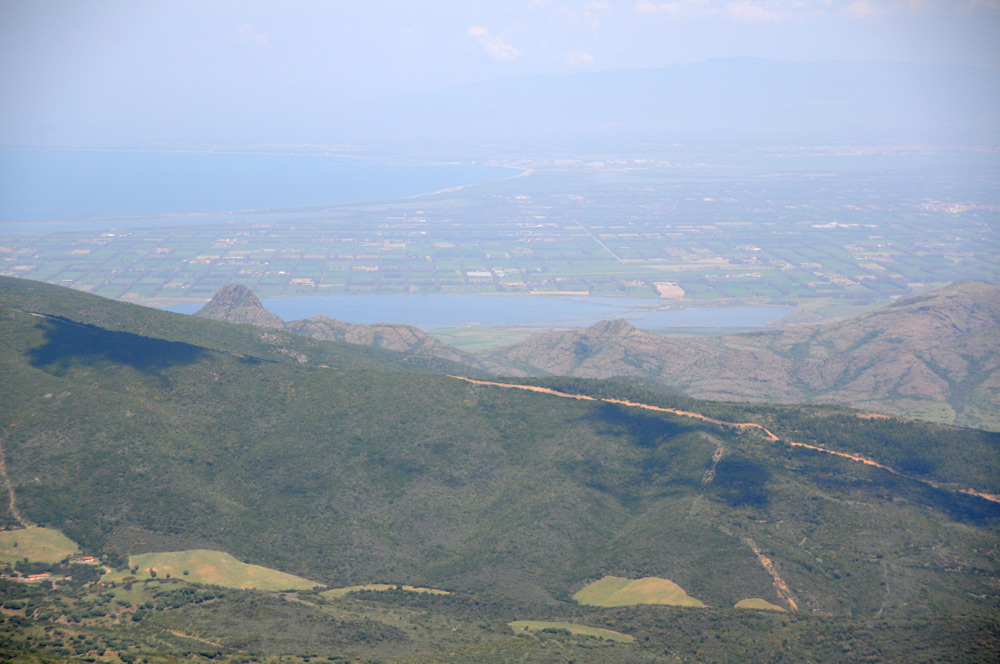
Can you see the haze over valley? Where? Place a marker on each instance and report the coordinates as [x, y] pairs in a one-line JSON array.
[[520, 331]]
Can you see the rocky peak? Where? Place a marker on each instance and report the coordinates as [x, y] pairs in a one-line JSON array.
[[236, 303], [611, 328]]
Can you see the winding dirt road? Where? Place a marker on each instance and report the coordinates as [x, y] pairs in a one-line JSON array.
[[737, 425]]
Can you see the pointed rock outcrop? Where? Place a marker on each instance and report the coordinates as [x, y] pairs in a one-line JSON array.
[[236, 303], [611, 328]]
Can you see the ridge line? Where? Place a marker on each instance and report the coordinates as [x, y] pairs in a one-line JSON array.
[[739, 425]]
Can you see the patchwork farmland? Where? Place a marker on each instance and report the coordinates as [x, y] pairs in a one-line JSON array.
[[630, 229]]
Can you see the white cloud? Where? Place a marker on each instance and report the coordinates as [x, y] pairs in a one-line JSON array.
[[495, 46], [777, 10], [247, 35], [579, 58], [863, 9], [677, 8], [745, 10], [870, 8], [595, 12], [582, 16], [917, 5], [962, 6]]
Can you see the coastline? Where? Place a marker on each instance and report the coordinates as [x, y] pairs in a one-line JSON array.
[[38, 171]]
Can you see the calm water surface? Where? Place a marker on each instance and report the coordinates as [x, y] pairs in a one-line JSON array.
[[79, 184], [436, 311]]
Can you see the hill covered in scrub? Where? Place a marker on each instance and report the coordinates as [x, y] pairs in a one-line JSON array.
[[358, 466], [935, 356]]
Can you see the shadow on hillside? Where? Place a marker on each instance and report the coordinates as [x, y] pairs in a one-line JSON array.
[[69, 343], [645, 430]]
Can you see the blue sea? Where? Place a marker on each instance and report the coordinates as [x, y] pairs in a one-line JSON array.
[[40, 184]]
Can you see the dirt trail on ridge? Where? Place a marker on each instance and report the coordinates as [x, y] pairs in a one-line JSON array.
[[768, 435]]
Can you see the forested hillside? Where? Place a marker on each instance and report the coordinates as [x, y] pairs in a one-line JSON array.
[[350, 465]]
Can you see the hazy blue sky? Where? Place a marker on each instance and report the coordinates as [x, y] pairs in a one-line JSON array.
[[67, 65]]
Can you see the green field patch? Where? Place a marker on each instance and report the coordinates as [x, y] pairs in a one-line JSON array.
[[38, 545], [616, 591], [381, 587], [209, 567], [572, 628], [759, 604]]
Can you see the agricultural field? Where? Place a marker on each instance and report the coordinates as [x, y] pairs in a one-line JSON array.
[[36, 545], [758, 604], [209, 567], [616, 591], [638, 229]]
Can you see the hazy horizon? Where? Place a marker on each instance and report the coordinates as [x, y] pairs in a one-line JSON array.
[[227, 73]]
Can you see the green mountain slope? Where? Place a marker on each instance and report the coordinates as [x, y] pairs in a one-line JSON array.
[[132, 443], [933, 356], [261, 343]]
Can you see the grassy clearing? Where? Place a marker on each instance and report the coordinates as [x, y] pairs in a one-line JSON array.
[[757, 603], [38, 545], [572, 628], [340, 592], [616, 591], [210, 567], [933, 412]]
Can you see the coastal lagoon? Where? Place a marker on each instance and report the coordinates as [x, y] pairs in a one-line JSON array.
[[437, 311]]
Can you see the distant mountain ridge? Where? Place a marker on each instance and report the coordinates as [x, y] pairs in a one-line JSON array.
[[718, 101], [934, 356]]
